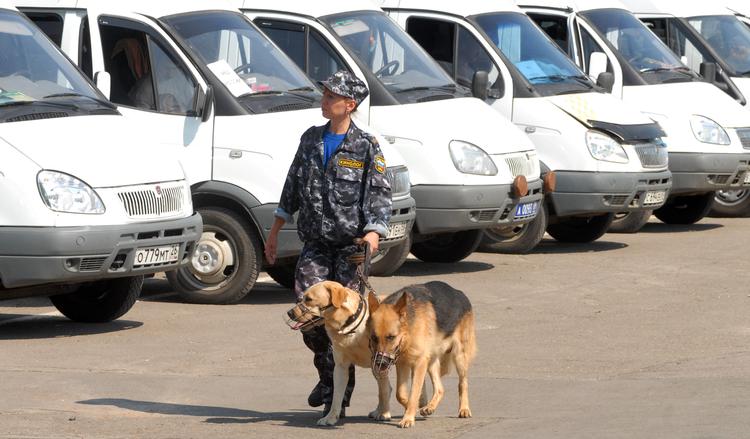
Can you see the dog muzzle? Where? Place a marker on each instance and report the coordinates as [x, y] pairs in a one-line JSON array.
[[383, 361], [303, 318]]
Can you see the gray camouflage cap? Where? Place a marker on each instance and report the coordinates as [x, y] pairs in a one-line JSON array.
[[343, 83]]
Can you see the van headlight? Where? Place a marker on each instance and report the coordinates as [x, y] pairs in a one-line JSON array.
[[398, 177], [471, 159], [708, 131], [64, 193], [605, 148]]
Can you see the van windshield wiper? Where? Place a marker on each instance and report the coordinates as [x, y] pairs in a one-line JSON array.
[[583, 80], [78, 95], [38, 102], [684, 70], [260, 93]]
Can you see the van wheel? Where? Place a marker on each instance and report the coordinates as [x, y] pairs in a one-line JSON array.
[[283, 274], [388, 261], [101, 301], [629, 222], [515, 240], [686, 210], [448, 247], [226, 261], [581, 230], [732, 203]]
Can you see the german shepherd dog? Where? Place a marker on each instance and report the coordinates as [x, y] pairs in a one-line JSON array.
[[423, 328], [346, 317]]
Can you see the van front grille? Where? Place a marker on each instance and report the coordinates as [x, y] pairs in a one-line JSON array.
[[524, 164], [652, 155], [153, 201], [744, 134]]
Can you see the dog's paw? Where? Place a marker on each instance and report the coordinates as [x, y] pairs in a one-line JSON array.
[[427, 410], [464, 413], [328, 421], [406, 422], [376, 415]]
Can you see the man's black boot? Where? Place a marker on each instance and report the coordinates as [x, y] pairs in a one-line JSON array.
[[316, 396]]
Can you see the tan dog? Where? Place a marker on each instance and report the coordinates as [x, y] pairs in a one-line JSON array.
[[345, 315], [423, 328]]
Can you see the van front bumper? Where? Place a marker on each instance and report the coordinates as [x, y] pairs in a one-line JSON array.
[[591, 193], [32, 256], [445, 209], [695, 173]]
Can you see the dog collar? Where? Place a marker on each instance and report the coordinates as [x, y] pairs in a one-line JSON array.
[[358, 317]]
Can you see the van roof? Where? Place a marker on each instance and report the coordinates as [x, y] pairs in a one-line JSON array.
[[311, 8], [154, 8], [463, 8], [678, 8], [6, 5], [573, 5]]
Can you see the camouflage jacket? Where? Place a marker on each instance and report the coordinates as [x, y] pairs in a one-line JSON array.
[[343, 200]]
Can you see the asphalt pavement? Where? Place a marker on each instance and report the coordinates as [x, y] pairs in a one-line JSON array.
[[632, 336]]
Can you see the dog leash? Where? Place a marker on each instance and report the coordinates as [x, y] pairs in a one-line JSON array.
[[363, 268]]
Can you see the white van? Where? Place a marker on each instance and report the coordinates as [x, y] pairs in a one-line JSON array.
[[88, 206], [704, 126], [231, 105], [713, 42], [607, 157], [464, 159]]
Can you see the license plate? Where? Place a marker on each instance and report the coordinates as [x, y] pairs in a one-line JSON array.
[[527, 209], [156, 255], [397, 230], [655, 197], [747, 178]]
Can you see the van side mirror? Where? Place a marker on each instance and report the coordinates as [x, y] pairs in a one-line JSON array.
[[479, 84], [606, 80], [597, 64], [497, 91], [207, 105], [103, 82], [708, 71]]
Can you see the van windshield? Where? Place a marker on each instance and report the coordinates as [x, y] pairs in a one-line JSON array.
[[540, 61], [33, 72], [392, 56], [640, 47], [241, 56], [729, 37]]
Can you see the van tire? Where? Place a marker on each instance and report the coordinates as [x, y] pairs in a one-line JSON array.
[[101, 301], [283, 274], [518, 240], [388, 261], [732, 203], [229, 241], [686, 210], [448, 247], [630, 222], [581, 230]]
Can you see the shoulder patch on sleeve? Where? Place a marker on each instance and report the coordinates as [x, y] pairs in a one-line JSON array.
[[380, 164]]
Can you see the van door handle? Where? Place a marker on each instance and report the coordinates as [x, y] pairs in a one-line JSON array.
[[235, 154]]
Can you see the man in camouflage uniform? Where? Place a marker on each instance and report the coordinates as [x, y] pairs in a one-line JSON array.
[[339, 198]]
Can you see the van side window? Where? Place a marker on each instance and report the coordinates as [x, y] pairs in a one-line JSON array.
[[50, 23], [677, 40], [472, 57], [589, 46], [144, 73], [305, 46], [84, 51], [437, 37], [556, 27]]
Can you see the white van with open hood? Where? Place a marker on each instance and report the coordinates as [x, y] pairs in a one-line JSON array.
[[470, 168], [212, 89], [704, 126], [607, 157], [88, 205], [714, 43]]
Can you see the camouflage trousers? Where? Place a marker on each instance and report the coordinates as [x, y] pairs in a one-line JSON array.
[[319, 262]]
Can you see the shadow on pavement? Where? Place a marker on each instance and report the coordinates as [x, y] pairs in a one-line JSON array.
[[40, 327], [678, 228], [552, 247], [31, 302], [263, 293], [418, 268], [221, 415]]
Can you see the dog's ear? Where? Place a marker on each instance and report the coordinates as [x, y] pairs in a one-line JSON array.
[[338, 293], [373, 302], [400, 306]]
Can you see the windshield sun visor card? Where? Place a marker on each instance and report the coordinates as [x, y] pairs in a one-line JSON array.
[[230, 78]]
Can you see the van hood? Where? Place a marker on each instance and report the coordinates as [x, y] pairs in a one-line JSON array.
[[604, 112], [440, 122], [688, 99], [102, 151]]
